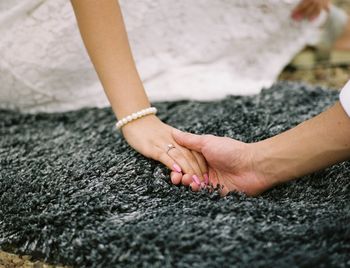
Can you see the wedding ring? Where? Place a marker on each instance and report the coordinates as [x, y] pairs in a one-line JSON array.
[[169, 147]]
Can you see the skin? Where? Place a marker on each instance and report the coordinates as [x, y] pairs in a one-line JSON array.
[[343, 42], [310, 9], [253, 168], [103, 32]]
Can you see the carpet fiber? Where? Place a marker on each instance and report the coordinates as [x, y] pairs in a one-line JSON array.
[[73, 192]]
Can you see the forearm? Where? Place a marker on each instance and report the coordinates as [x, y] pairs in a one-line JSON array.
[[103, 32], [315, 144]]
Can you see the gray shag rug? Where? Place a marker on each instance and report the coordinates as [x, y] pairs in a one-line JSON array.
[[73, 192]]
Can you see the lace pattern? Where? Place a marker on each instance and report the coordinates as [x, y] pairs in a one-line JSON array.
[[201, 49]]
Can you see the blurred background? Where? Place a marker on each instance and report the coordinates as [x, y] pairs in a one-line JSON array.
[[322, 74]]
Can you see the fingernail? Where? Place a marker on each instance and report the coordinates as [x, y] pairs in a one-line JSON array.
[[177, 168], [206, 178], [196, 180]]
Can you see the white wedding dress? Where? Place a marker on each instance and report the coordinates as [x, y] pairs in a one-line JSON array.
[[184, 49]]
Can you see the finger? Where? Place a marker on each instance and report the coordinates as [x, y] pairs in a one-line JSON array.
[[302, 9], [313, 17], [213, 179], [224, 191], [188, 140], [315, 13], [175, 177], [186, 179], [310, 11], [192, 160], [195, 187], [326, 5], [169, 162], [201, 162], [299, 8], [202, 165], [177, 156]]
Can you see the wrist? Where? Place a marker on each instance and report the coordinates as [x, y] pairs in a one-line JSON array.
[[272, 163], [145, 121], [134, 116], [126, 110], [312, 145], [309, 147]]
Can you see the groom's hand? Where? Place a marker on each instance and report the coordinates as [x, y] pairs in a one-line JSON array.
[[231, 163]]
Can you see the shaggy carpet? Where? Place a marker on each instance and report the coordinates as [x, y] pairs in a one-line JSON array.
[[73, 192]]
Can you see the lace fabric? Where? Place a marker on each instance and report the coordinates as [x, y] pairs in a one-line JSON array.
[[183, 50]]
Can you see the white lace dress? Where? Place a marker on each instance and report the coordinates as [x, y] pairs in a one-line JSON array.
[[184, 49]]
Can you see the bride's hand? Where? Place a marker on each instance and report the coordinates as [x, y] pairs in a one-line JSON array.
[[310, 9], [151, 137]]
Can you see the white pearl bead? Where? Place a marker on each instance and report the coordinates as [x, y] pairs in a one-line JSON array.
[[136, 115]]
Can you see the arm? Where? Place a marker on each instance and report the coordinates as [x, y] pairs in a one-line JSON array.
[[313, 145], [253, 168], [103, 32]]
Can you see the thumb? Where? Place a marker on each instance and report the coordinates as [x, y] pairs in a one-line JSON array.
[[188, 140]]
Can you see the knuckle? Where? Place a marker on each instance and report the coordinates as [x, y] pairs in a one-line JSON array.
[[157, 154], [177, 154], [190, 156], [174, 154]]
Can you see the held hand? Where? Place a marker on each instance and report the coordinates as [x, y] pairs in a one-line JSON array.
[[230, 162], [151, 137], [310, 9]]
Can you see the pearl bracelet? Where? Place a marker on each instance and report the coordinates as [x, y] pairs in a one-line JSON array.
[[134, 116]]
